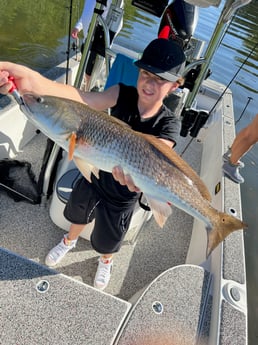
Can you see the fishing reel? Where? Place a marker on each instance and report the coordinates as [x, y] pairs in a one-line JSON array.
[[193, 120]]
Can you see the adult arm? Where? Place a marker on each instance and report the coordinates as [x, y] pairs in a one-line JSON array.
[[85, 19]]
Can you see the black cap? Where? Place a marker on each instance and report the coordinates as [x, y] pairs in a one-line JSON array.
[[164, 58]]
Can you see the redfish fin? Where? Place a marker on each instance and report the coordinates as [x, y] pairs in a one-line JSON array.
[[161, 211], [72, 144], [221, 230], [85, 168], [179, 163]]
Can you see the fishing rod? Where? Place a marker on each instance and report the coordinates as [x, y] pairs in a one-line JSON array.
[[98, 11], [53, 151], [194, 113], [234, 77], [224, 21], [247, 103], [69, 41]]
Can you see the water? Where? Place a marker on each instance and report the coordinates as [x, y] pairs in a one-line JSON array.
[[35, 34]]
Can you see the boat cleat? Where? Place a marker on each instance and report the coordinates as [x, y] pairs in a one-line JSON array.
[[235, 294]]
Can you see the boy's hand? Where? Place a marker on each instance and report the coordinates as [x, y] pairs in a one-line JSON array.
[[124, 180], [24, 77], [5, 85]]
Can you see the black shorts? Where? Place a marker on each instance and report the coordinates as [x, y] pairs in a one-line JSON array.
[[111, 221], [90, 62]]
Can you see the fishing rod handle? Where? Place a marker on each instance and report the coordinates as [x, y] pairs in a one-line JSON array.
[[14, 92]]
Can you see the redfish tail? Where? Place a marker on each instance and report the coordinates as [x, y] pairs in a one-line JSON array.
[[224, 226]]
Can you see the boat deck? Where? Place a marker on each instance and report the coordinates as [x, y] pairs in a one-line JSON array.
[[209, 304]]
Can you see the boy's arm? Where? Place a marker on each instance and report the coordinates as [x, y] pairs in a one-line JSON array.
[[30, 81]]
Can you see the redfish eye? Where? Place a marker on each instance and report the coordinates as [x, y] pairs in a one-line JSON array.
[[40, 99]]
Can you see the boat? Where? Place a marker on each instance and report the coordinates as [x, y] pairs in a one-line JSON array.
[[163, 289]]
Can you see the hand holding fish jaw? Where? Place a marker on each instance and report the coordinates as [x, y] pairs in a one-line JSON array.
[[30, 81], [23, 76], [124, 179]]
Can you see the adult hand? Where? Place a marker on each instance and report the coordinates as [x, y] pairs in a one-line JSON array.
[[124, 179], [74, 33]]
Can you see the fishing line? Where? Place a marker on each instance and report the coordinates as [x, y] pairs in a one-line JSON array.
[[239, 69], [234, 77], [224, 91], [187, 145], [247, 103], [76, 42]]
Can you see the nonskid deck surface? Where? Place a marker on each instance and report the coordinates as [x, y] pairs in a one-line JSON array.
[[27, 230]]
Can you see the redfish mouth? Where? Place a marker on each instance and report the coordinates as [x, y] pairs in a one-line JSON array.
[[36, 111], [28, 102], [30, 98]]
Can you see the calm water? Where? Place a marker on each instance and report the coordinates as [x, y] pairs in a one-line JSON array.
[[36, 34]]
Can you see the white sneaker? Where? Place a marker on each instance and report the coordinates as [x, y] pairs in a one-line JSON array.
[[103, 273], [58, 252]]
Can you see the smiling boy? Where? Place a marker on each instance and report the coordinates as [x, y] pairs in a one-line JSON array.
[[111, 199]]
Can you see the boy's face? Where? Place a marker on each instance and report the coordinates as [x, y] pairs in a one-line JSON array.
[[152, 88]]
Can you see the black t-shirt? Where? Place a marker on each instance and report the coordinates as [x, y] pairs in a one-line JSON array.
[[162, 125]]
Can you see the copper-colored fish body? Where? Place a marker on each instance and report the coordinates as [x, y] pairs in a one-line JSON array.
[[104, 142]]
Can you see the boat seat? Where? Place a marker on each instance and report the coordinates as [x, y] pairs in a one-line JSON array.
[[34, 307], [67, 175], [66, 183], [123, 71]]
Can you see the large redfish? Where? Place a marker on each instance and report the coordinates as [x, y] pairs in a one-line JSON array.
[[99, 141]]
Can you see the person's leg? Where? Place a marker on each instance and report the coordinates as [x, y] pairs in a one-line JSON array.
[[97, 49], [103, 273], [67, 243], [74, 231], [244, 141], [79, 211], [232, 172], [232, 163], [89, 69], [111, 225]]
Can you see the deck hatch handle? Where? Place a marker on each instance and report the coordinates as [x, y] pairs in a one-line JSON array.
[[42, 286], [157, 307]]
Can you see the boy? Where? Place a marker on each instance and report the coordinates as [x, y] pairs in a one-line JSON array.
[[110, 200]]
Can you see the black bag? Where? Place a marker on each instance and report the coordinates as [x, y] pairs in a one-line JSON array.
[[18, 181]]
